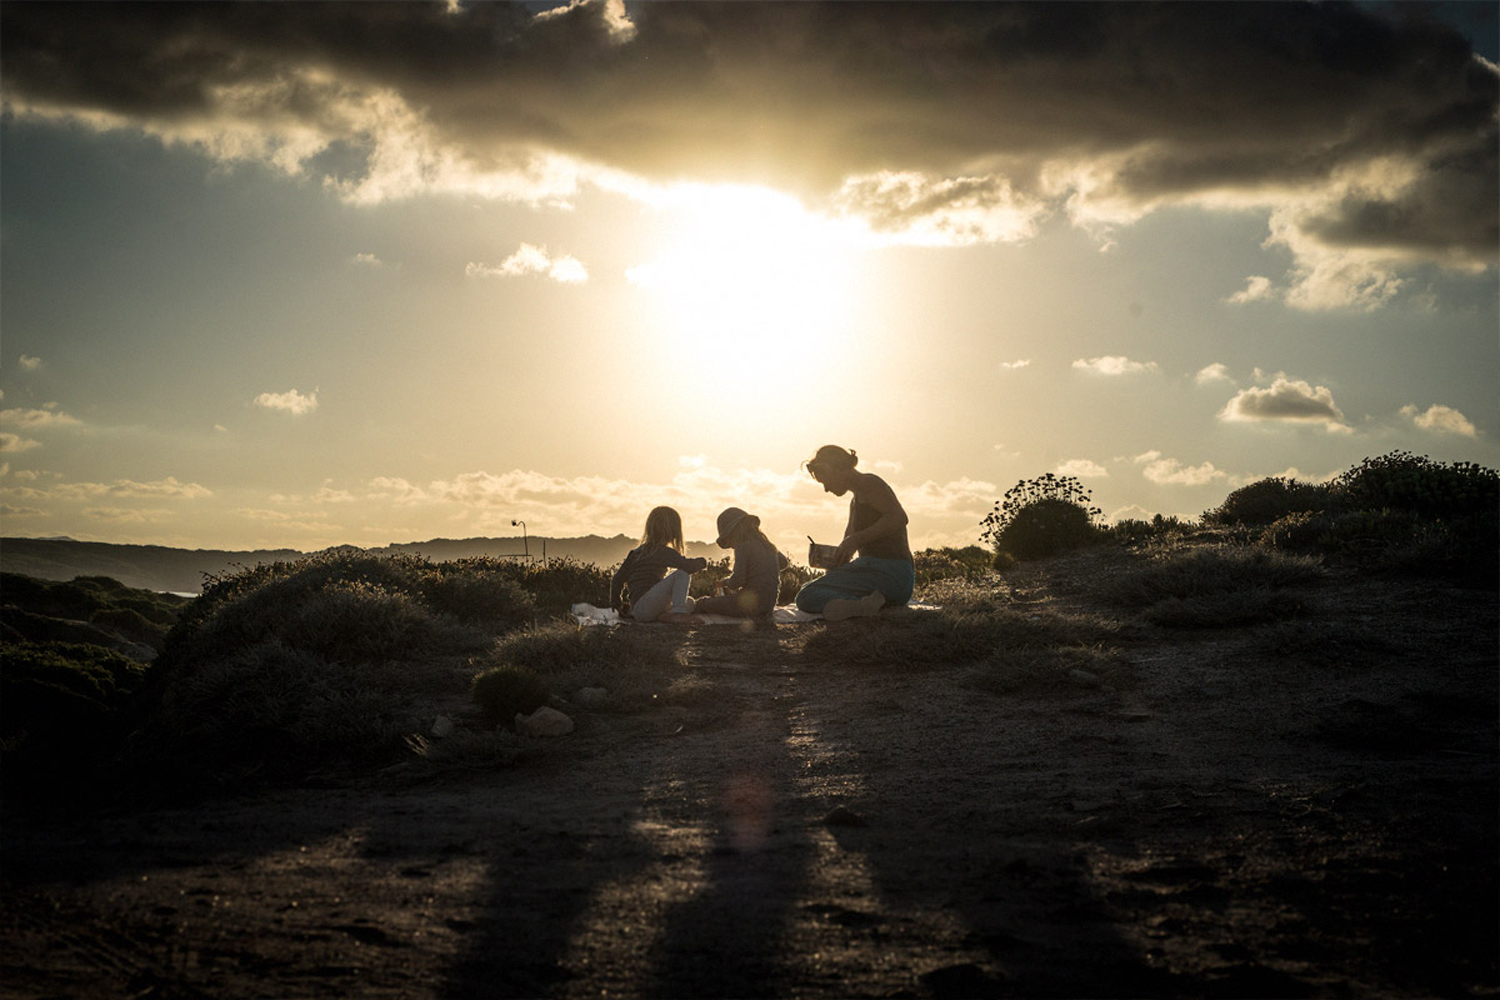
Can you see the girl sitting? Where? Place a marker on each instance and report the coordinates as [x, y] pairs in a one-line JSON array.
[[643, 576], [751, 587]]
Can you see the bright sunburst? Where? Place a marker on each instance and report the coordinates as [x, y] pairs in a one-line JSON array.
[[750, 271]]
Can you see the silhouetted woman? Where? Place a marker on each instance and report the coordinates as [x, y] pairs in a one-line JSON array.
[[882, 573]]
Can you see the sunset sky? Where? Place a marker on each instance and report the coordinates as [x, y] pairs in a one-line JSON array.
[[305, 275]]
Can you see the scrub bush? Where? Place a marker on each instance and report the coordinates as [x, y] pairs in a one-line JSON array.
[[1042, 517], [1416, 484], [504, 692], [1267, 501], [970, 563], [1206, 587], [60, 714]]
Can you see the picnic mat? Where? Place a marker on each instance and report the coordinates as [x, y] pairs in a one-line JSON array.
[[785, 614]]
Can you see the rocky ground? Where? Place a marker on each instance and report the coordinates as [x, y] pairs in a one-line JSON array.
[[1306, 807]]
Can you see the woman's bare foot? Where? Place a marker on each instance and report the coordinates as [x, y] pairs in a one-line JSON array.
[[851, 607]]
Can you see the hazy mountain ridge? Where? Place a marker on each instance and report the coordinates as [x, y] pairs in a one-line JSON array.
[[163, 568]]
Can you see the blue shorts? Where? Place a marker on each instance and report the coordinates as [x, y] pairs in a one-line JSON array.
[[894, 578]]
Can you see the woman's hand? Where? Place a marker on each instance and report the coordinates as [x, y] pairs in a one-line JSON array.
[[844, 552]]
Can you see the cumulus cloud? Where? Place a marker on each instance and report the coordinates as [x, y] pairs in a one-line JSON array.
[[1114, 365], [1286, 400], [1440, 420], [1172, 472], [291, 401], [529, 259], [1215, 372], [1370, 135], [1257, 288], [29, 363], [367, 260], [1013, 365], [1082, 468], [16, 443], [37, 419]]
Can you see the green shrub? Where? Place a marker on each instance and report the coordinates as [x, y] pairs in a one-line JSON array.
[[970, 563], [1220, 585], [1041, 517], [1046, 527], [1268, 500], [504, 692], [272, 711], [481, 592], [629, 663], [1402, 481], [1132, 531], [557, 584], [61, 716]]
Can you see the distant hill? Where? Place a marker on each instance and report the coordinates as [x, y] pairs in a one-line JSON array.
[[163, 569]]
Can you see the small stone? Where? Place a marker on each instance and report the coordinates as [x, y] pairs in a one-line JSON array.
[[592, 697], [1083, 678], [443, 727], [544, 722]]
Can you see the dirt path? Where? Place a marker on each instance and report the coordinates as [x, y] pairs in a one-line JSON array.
[[1284, 811]]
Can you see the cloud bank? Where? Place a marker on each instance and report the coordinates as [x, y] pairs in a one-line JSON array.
[[1368, 136]]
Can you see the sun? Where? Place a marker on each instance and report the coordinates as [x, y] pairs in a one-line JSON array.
[[750, 273]]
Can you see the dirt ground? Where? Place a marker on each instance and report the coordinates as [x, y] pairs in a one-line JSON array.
[[1303, 808]]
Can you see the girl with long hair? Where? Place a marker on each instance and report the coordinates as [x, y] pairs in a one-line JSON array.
[[643, 578]]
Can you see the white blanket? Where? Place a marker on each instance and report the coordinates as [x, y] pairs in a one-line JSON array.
[[785, 614]]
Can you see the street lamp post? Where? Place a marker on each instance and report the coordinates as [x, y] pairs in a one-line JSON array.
[[525, 545]]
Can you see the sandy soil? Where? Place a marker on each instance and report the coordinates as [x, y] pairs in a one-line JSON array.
[[1307, 808]]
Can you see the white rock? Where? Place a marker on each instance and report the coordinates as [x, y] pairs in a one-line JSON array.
[[544, 722], [443, 727]]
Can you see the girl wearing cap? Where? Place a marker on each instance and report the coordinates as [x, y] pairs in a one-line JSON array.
[[883, 572], [643, 575], [751, 587]]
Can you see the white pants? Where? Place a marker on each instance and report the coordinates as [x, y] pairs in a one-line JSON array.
[[671, 589]]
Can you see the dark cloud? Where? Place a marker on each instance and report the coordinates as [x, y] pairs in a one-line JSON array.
[[1154, 102]]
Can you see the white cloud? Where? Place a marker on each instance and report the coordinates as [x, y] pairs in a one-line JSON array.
[[1440, 420], [169, 487], [367, 260], [1290, 472], [1082, 468], [9, 511], [291, 401], [396, 490], [29, 363], [912, 209], [1215, 372], [1171, 472], [1257, 289], [126, 515], [48, 416], [530, 259], [1012, 365], [1114, 365], [1286, 400], [15, 443]]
